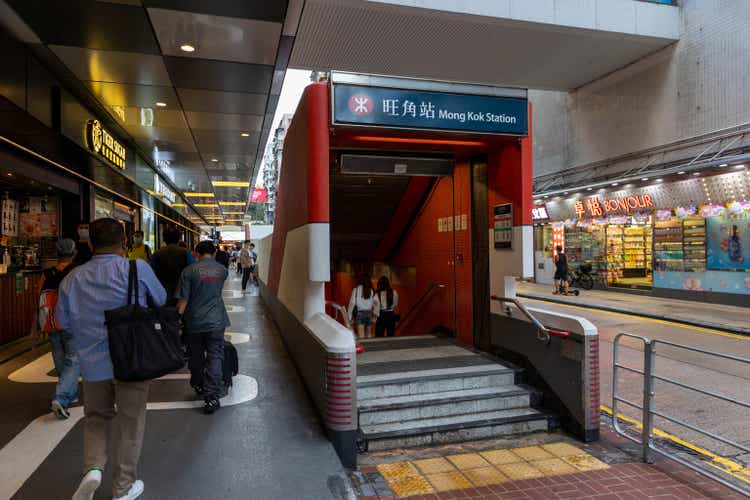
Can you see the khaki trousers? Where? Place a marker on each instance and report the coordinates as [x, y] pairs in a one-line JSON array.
[[118, 408]]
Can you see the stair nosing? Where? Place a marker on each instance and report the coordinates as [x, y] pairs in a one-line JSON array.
[[533, 416], [501, 370], [364, 408]]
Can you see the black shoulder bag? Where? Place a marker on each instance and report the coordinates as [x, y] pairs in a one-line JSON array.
[[144, 342]]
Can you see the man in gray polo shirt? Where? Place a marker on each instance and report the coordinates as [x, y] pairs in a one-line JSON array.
[[204, 319]]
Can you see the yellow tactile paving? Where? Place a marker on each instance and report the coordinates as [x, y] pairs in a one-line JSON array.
[[485, 476], [562, 449], [586, 462], [397, 470], [501, 457], [447, 481], [521, 470], [434, 465], [456, 472], [532, 453], [554, 467], [410, 485], [468, 461]]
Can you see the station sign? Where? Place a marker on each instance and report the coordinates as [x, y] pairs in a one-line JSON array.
[[101, 142], [415, 109], [539, 213]]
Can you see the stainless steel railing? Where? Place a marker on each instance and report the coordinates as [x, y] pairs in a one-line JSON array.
[[543, 333], [646, 406]]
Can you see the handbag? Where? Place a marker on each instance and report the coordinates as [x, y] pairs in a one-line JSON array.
[[144, 342]]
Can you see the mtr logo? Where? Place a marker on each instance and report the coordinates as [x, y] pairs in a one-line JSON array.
[[360, 104]]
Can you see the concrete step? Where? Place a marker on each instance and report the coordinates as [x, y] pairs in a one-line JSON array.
[[455, 428], [441, 404], [432, 381]]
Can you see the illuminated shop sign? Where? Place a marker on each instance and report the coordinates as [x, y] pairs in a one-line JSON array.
[[596, 207], [397, 108], [101, 142], [163, 190], [539, 213]]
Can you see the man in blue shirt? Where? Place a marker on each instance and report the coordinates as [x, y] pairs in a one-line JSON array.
[[204, 319], [97, 286]]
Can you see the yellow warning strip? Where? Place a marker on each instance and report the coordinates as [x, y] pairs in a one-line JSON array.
[[718, 462], [652, 320]]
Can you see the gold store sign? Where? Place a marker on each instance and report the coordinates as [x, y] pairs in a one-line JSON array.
[[101, 142]]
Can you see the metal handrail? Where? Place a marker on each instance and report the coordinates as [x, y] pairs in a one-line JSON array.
[[419, 302], [543, 333], [647, 407], [342, 311]]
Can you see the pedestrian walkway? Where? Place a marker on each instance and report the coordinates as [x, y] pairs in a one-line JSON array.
[[545, 467], [717, 316], [266, 442]]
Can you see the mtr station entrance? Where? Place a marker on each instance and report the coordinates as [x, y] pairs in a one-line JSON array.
[[427, 184]]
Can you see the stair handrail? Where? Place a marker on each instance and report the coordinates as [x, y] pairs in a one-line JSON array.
[[338, 308], [420, 301], [543, 333]]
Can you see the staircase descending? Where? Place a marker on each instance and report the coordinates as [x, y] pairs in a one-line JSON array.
[[425, 390]]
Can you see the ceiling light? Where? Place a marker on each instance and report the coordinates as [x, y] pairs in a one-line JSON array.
[[214, 160], [232, 203], [696, 173], [739, 166], [178, 205], [681, 172], [245, 134], [546, 196], [9, 174], [659, 180], [614, 183], [589, 189], [565, 192], [644, 178], [724, 165], [234, 213], [231, 184], [186, 47], [199, 195], [161, 104], [206, 205]]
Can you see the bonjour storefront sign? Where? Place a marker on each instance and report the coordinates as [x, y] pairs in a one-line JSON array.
[[597, 207], [101, 142]]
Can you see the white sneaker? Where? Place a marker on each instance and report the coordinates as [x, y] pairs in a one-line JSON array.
[[88, 486], [59, 410], [135, 491]]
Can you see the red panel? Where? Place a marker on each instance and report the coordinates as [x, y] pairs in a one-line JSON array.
[[306, 153], [409, 203]]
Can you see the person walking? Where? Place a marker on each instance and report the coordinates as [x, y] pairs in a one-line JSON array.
[[205, 318], [169, 261], [83, 245], [45, 321], [254, 267], [561, 272], [363, 305], [388, 302], [222, 257], [110, 406], [138, 249], [247, 261]]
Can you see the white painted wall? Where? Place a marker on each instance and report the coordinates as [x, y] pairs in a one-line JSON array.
[[263, 249], [517, 262], [694, 87]]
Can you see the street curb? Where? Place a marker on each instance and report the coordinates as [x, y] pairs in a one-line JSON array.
[[673, 319]]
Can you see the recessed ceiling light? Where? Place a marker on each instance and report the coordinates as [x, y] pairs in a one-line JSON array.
[[214, 160], [589, 189], [186, 47], [739, 166], [9, 174], [614, 183], [546, 196], [565, 192], [681, 172], [161, 104], [724, 165], [659, 180], [696, 173], [245, 134], [644, 178]]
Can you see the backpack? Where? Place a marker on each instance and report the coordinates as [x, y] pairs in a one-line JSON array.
[[48, 298]]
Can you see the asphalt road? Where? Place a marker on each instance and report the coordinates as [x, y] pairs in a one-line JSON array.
[[711, 373]]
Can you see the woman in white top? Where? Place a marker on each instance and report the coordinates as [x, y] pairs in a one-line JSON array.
[[363, 305], [388, 302]]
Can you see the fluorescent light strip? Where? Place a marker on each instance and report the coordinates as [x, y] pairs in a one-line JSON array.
[[206, 205], [232, 203], [230, 184], [199, 195]]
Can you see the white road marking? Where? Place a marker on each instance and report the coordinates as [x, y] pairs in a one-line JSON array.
[[28, 449]]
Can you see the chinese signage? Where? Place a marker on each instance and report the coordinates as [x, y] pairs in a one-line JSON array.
[[539, 213], [161, 189], [10, 217], [101, 142], [385, 107], [503, 225], [596, 207], [259, 195]]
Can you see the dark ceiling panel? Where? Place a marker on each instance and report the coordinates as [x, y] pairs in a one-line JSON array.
[[82, 23], [223, 121], [113, 66], [267, 10], [213, 101], [229, 143], [219, 75]]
